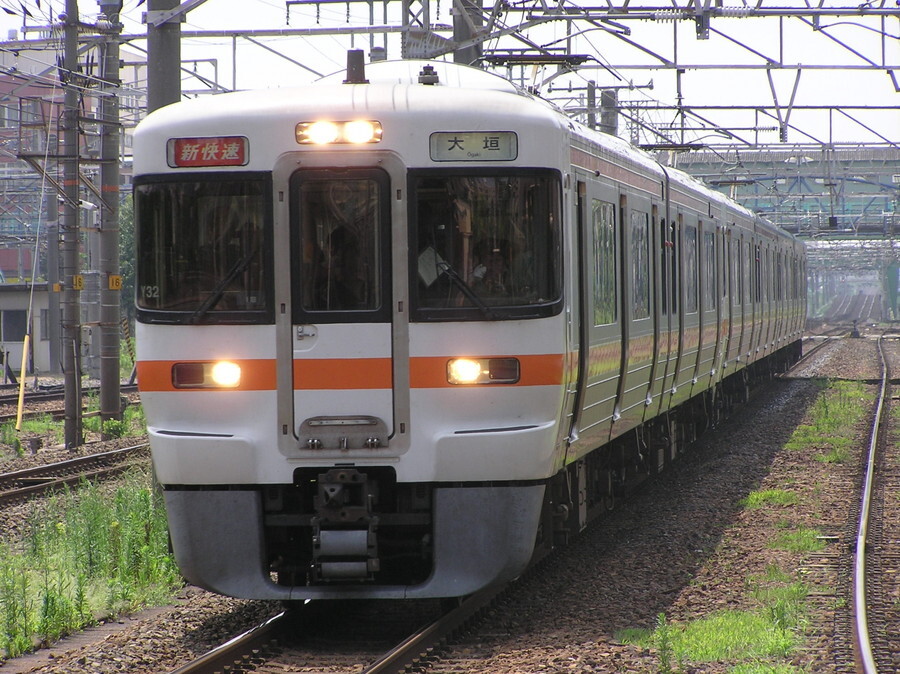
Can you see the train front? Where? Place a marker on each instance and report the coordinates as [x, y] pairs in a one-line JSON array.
[[351, 331]]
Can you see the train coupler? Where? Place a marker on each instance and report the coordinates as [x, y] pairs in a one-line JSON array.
[[345, 544]]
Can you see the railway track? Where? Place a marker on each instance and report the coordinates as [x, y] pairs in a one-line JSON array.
[[268, 646], [875, 557], [23, 484], [10, 395]]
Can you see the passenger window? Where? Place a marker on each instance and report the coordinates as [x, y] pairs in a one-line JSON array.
[[640, 265], [710, 291], [604, 268], [690, 269]]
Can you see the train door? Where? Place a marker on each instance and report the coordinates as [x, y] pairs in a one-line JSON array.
[[736, 267], [709, 294], [676, 306], [667, 312], [724, 308], [602, 354], [690, 305], [636, 312], [766, 301], [754, 254], [342, 365]]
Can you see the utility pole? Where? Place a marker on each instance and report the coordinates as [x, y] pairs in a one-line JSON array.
[[163, 55], [69, 231], [468, 20], [110, 278]]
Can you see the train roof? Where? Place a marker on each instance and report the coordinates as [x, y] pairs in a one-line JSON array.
[[432, 88]]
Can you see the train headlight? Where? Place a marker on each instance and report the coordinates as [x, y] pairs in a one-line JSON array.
[[226, 374], [362, 131], [219, 374], [325, 132], [483, 371]]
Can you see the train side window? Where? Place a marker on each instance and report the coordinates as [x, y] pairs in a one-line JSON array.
[[664, 247], [691, 271], [748, 273], [758, 295], [710, 290], [640, 265], [604, 258], [674, 258], [737, 272]]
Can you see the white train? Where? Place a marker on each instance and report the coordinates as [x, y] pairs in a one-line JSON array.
[[395, 334]]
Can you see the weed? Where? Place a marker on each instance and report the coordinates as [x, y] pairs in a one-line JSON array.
[[798, 540], [86, 553], [663, 639], [758, 499], [834, 415]]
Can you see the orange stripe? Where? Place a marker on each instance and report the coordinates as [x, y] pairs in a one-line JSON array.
[[331, 374], [540, 370], [256, 375]]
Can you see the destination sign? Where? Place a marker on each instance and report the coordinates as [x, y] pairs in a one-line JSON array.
[[474, 146], [213, 151]]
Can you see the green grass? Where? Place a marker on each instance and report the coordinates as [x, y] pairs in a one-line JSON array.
[[762, 498], [132, 423], [743, 638], [798, 540], [834, 416], [85, 554], [41, 425]]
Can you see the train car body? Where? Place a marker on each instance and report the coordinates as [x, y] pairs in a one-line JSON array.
[[388, 355]]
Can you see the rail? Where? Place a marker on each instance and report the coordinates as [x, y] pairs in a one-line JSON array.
[[863, 642], [30, 481]]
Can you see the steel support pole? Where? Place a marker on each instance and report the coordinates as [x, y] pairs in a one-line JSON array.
[[163, 58], [110, 278], [70, 232]]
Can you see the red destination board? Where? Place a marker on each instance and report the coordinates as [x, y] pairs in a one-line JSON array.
[[215, 151]]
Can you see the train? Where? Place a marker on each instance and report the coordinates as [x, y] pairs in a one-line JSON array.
[[401, 330]]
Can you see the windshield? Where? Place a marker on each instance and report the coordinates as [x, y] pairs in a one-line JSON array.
[[201, 249], [341, 229], [487, 246]]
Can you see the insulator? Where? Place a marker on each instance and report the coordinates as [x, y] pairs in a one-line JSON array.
[[669, 15], [735, 12]]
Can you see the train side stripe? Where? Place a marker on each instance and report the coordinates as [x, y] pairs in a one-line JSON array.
[[536, 370], [257, 374], [327, 374]]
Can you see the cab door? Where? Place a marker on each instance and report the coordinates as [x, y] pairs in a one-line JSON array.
[[342, 368]]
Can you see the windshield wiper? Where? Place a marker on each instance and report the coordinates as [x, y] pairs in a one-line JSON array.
[[465, 288], [218, 291]]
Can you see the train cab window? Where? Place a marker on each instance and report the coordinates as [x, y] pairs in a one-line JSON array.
[[484, 245], [339, 226], [204, 243]]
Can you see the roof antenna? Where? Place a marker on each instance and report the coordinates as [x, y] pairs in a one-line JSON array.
[[428, 75], [356, 67]]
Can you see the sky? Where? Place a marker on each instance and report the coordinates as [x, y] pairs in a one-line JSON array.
[[616, 62]]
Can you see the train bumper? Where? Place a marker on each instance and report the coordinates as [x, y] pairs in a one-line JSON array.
[[482, 535]]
